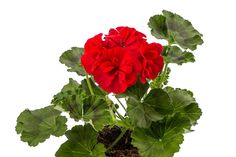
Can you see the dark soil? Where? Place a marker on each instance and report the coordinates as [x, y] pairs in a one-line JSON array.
[[123, 148]]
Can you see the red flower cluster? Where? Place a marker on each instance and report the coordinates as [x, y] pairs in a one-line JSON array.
[[119, 58]]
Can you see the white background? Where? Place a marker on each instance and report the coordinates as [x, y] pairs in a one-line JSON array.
[[33, 34]]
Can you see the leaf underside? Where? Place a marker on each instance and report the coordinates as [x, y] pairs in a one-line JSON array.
[[71, 59]]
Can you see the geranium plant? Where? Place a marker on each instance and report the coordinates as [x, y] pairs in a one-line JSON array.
[[121, 70]]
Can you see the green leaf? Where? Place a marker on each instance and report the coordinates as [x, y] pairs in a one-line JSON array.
[[124, 123], [92, 109], [182, 31], [184, 103], [175, 29], [176, 55], [137, 91], [37, 126], [96, 109], [162, 139], [82, 142], [192, 111], [97, 90], [70, 99], [70, 89], [154, 107], [158, 27], [141, 115], [71, 86], [160, 100], [71, 59]]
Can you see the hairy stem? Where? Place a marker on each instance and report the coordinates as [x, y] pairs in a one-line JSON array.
[[112, 114], [89, 85], [110, 105], [163, 75]]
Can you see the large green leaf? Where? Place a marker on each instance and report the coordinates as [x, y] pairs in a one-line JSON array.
[[160, 100], [82, 142], [141, 115], [184, 103], [96, 109], [73, 99], [36, 126], [162, 139], [175, 29], [71, 59], [176, 55], [155, 106], [182, 31]]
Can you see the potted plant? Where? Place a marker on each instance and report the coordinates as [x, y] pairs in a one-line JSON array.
[[121, 71]]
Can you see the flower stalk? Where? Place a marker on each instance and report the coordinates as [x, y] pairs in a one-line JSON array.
[[89, 85]]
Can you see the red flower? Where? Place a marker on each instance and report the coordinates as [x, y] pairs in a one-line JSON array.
[[125, 37], [117, 60], [117, 70], [94, 49], [152, 61]]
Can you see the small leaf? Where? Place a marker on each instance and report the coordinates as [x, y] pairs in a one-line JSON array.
[[37, 126], [176, 55], [162, 139], [158, 80], [82, 142], [154, 107], [71, 86], [71, 59], [137, 91], [158, 27]]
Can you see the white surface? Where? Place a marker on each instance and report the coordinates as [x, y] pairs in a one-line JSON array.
[[33, 34]]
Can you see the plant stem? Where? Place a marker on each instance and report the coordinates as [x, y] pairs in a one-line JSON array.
[[121, 104], [112, 114], [123, 131], [110, 105], [163, 75], [89, 85]]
